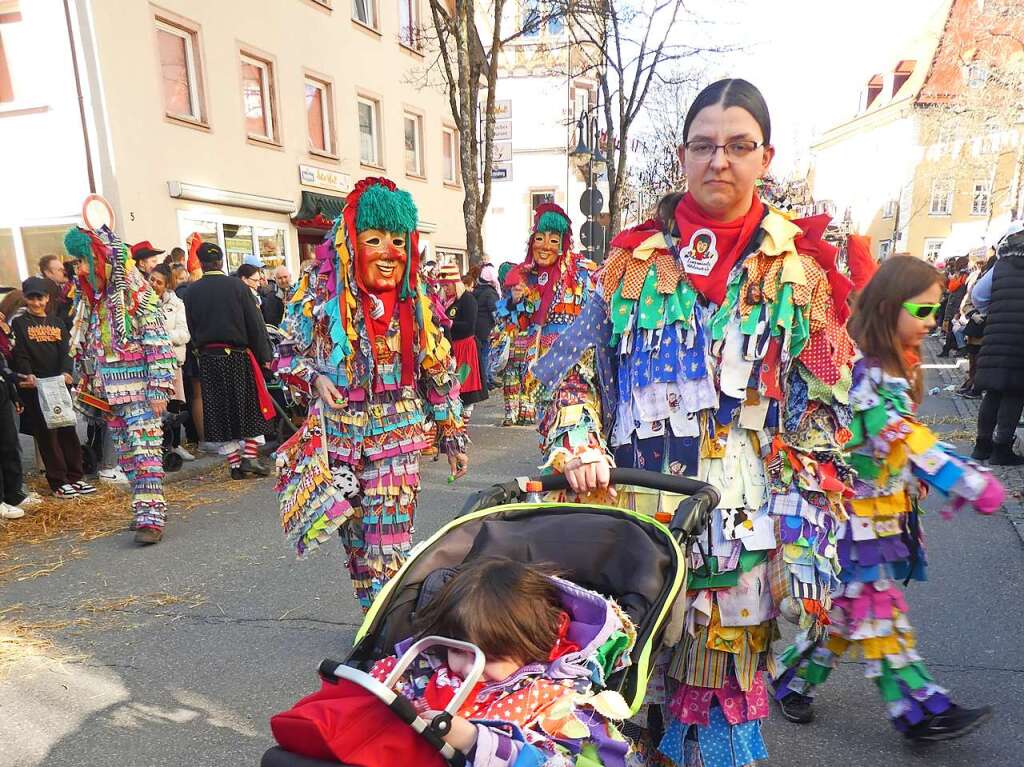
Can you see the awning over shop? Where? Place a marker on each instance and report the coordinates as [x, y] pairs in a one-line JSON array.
[[317, 211]]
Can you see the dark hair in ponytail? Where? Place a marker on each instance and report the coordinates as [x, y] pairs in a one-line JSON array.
[[731, 93]]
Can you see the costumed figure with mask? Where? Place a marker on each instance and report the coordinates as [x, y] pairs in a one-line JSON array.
[[361, 342], [714, 346], [543, 296], [126, 364]]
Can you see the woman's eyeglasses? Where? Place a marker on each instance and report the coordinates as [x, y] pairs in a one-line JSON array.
[[701, 150], [921, 311]]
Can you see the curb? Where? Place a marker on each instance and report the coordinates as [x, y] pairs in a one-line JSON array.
[[967, 409]]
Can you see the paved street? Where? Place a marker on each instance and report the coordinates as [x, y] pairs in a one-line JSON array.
[[190, 678]]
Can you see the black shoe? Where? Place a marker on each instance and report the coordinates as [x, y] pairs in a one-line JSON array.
[[253, 466], [949, 724], [237, 473], [797, 708], [982, 449], [1003, 455]]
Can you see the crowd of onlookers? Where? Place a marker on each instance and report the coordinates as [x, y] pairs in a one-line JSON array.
[[982, 318], [36, 322]]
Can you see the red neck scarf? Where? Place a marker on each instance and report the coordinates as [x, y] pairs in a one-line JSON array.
[[547, 290], [709, 248]]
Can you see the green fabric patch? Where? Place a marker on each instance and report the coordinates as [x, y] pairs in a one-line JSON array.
[[389, 211], [801, 332], [865, 466], [679, 305], [651, 305], [716, 580], [621, 310], [814, 673], [588, 756], [610, 652], [875, 419], [552, 222], [720, 321]]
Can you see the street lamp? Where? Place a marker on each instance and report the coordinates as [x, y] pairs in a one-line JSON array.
[[589, 160]]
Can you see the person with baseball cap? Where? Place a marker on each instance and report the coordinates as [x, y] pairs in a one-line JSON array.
[[231, 344], [145, 256]]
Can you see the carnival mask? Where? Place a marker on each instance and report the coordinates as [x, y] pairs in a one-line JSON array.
[[547, 247], [381, 259]]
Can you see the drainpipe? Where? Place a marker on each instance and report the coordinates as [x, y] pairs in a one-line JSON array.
[[81, 99]]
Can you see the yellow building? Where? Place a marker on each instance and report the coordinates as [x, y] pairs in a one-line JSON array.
[[245, 121], [928, 165]]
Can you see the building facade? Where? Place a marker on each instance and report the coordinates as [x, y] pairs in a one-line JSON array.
[[911, 169], [245, 127], [539, 103]]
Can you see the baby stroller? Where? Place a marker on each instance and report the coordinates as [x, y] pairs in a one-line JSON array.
[[624, 555], [289, 413]]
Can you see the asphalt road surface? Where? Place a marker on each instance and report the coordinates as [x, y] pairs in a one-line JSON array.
[[193, 683]]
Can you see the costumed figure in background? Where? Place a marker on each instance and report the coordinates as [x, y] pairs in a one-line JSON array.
[[881, 543], [544, 295], [126, 365], [362, 343], [714, 346]]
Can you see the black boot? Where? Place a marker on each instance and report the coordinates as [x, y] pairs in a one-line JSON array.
[[950, 724], [797, 708], [1003, 455], [982, 449], [253, 466]]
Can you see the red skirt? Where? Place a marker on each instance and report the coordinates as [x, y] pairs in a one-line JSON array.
[[467, 364]]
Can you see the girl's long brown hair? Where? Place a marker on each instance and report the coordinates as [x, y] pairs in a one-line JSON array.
[[874, 321], [13, 301]]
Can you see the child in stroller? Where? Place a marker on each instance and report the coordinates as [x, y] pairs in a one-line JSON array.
[[627, 556], [547, 645]]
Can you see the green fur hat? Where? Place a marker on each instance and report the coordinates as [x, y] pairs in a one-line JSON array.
[[390, 210]]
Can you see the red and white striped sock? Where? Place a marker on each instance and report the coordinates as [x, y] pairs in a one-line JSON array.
[[250, 449], [234, 459]]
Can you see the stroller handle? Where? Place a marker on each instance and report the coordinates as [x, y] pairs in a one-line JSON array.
[[690, 515]]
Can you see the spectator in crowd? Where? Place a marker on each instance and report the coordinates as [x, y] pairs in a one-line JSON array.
[[14, 499], [182, 279], [231, 340], [999, 372], [41, 351], [145, 256], [973, 322], [486, 292], [276, 295], [957, 289], [461, 310], [252, 276], [12, 304], [177, 332], [175, 257], [57, 286]]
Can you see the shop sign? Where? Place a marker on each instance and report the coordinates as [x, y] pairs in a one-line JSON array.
[[336, 181]]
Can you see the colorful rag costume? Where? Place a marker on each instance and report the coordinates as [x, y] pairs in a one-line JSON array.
[[395, 371], [554, 295], [125, 360], [881, 544], [543, 714], [718, 350]]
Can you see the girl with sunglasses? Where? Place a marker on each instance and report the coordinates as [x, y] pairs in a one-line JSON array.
[[896, 458]]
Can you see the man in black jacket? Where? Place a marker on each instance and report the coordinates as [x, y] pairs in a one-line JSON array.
[[231, 344]]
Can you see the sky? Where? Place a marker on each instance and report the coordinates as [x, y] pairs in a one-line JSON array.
[[810, 58]]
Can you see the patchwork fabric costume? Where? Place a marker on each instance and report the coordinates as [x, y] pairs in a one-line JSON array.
[[718, 350], [395, 371], [125, 361], [881, 544], [553, 297], [552, 714]]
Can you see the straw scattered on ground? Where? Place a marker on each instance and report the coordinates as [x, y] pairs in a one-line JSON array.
[[137, 602], [21, 640], [25, 555]]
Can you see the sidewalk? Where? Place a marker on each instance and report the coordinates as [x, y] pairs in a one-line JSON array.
[[950, 372]]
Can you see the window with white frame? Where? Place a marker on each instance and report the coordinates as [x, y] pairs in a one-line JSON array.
[[981, 198], [889, 211], [409, 22], [977, 75], [258, 98], [369, 131], [539, 197], [179, 71], [365, 12], [450, 154], [581, 102], [884, 249], [941, 203], [932, 248], [413, 130], [319, 116], [238, 238]]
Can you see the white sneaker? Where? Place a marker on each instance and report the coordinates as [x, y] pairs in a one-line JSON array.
[[183, 453], [66, 491], [10, 512], [113, 475], [30, 500]]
